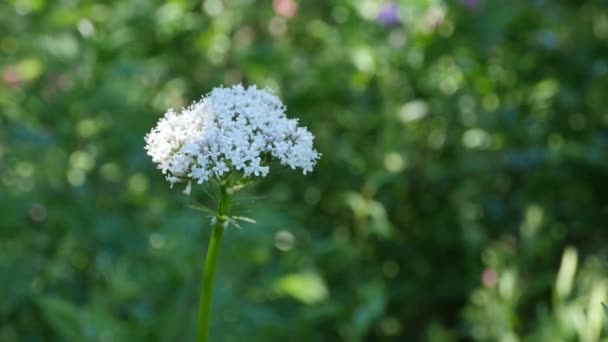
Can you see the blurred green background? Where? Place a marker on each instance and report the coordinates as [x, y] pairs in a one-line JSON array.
[[461, 196]]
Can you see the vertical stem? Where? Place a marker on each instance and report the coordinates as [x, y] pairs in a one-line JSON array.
[[208, 277], [210, 267]]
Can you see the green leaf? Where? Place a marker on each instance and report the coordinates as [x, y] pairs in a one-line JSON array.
[[63, 316], [212, 190], [203, 208], [244, 219], [307, 287], [248, 198], [605, 308], [371, 307], [233, 222]]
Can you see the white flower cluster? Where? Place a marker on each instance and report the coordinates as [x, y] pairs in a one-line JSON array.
[[230, 129]]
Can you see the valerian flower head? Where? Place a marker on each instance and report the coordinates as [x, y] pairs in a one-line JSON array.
[[232, 130]]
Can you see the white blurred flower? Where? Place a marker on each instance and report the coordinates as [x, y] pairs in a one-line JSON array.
[[230, 130]]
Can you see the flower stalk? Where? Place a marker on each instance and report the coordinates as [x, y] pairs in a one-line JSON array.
[[211, 265]]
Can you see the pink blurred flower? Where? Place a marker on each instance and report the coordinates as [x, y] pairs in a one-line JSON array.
[[434, 17], [285, 8], [489, 277], [12, 77]]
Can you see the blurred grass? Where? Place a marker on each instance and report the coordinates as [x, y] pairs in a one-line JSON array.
[[461, 194]]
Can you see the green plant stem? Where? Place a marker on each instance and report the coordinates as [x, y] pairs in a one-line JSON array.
[[210, 267], [208, 277]]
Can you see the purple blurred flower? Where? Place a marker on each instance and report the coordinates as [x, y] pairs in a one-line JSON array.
[[471, 4], [389, 14]]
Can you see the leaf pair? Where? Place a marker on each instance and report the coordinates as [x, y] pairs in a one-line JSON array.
[[231, 220]]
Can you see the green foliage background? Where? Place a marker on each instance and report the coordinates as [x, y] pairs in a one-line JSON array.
[[461, 195]]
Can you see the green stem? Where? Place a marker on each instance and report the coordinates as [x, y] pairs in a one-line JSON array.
[[210, 267]]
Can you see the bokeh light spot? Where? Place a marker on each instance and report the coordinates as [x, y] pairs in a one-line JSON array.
[[277, 26], [284, 240], [82, 160], [475, 138], [76, 177], [38, 213], [157, 241], [413, 111], [390, 326], [394, 162], [312, 195], [138, 183], [86, 28], [390, 269], [213, 7], [110, 172]]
